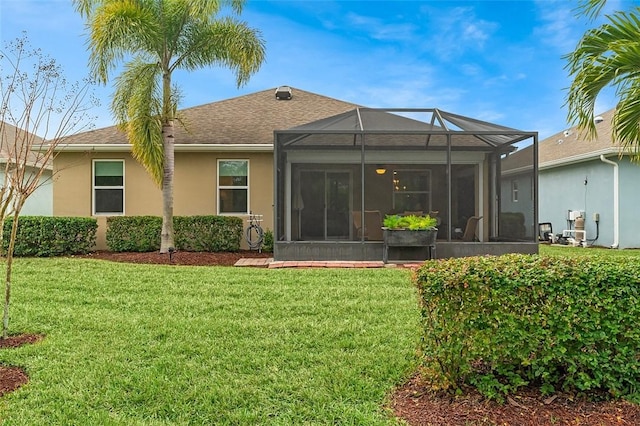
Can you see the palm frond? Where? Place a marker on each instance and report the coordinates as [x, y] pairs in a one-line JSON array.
[[137, 107], [117, 29], [227, 42], [590, 8], [606, 56], [626, 120]]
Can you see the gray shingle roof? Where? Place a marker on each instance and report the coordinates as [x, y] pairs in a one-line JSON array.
[[13, 145], [248, 119], [570, 145], [567, 146]]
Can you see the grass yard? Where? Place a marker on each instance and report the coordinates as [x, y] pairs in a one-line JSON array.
[[159, 345], [559, 250]]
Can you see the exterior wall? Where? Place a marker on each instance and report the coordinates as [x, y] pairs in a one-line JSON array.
[[40, 203], [563, 189], [194, 186], [629, 208]]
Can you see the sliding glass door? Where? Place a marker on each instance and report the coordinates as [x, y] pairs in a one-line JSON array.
[[325, 204]]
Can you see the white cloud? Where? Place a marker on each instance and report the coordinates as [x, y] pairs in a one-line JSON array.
[[378, 29], [458, 31], [557, 30]]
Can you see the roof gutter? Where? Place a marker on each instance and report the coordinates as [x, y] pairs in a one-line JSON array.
[[262, 147], [616, 201], [578, 158]]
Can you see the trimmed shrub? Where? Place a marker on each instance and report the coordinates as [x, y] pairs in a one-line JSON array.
[[208, 233], [192, 233], [267, 241], [45, 236], [133, 233], [559, 323]]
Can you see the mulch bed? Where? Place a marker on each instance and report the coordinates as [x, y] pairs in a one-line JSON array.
[[419, 406], [179, 257], [11, 378]]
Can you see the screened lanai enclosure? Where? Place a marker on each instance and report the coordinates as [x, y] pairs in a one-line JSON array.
[[337, 178]]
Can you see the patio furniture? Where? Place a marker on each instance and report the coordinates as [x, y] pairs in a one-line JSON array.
[[545, 231], [372, 229], [470, 230]]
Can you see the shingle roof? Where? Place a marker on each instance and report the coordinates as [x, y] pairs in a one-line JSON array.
[[566, 147], [12, 142], [248, 119], [570, 145]]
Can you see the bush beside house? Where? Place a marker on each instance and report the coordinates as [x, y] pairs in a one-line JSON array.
[[500, 323], [192, 233], [45, 236]]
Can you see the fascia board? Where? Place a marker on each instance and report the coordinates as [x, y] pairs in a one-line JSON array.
[[594, 155]]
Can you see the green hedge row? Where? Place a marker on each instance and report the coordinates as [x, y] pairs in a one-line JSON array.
[[52, 236], [499, 323], [192, 233]]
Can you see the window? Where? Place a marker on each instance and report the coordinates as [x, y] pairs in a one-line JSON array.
[[412, 190], [108, 187], [514, 191], [233, 186]]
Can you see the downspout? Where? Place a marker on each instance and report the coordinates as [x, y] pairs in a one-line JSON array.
[[616, 201]]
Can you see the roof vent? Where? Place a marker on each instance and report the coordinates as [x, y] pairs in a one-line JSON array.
[[598, 119], [567, 133], [284, 93]]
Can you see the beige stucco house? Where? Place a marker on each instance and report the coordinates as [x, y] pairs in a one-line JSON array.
[[223, 162], [316, 168]]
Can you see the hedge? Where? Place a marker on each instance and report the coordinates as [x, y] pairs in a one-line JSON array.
[[46, 236], [192, 233], [558, 323]]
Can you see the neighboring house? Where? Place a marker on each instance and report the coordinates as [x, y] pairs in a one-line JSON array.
[[590, 178], [314, 166], [40, 203]]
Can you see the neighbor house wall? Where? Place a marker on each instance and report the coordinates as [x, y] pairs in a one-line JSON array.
[[194, 186], [40, 203], [563, 188], [629, 197]]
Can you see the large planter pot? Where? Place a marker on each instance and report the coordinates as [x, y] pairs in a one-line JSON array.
[[409, 238]]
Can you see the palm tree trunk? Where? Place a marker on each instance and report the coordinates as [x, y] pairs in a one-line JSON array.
[[168, 136], [166, 237]]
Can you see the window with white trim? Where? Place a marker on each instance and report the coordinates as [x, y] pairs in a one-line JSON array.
[[514, 191], [233, 186], [108, 187]]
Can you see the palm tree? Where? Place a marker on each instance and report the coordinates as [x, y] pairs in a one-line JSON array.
[[608, 56], [162, 36]]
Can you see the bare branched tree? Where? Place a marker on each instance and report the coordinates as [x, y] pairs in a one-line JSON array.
[[38, 109]]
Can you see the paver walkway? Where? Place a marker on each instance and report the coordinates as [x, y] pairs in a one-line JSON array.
[[270, 263]]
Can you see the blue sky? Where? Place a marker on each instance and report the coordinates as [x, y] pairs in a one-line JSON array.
[[499, 61]]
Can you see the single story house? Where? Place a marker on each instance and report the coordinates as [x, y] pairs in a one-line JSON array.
[[40, 202], [592, 179], [316, 168]]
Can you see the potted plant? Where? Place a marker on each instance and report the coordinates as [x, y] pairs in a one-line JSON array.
[[409, 231], [410, 222]]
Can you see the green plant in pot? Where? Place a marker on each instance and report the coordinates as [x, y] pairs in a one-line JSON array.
[[412, 222]]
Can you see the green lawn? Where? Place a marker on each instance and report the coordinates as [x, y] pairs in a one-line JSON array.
[[559, 250], [160, 345]]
